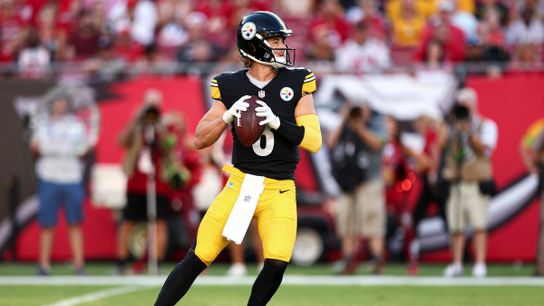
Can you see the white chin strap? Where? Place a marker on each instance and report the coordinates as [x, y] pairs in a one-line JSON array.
[[278, 62], [280, 59]]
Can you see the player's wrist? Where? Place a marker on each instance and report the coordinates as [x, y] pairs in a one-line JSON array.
[[275, 123], [228, 118]]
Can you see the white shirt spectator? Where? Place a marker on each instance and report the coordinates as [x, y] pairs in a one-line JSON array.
[[172, 35], [118, 17], [61, 144], [144, 23], [519, 33], [34, 62], [371, 56], [489, 134], [354, 14], [467, 23]]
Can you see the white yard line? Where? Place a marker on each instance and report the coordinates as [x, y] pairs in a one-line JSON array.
[[95, 296], [294, 280]]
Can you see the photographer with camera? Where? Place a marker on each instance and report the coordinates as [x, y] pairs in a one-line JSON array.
[[148, 188], [356, 147], [470, 143]]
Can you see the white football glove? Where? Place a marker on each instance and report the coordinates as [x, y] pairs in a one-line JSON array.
[[270, 118], [235, 109]]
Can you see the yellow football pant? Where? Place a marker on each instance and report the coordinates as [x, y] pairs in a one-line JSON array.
[[276, 216]]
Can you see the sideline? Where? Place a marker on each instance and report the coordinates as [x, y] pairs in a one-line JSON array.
[[293, 280]]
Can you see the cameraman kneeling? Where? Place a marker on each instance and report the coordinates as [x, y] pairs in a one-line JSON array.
[[468, 167]]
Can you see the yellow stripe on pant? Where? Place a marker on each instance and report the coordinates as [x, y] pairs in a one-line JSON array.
[[276, 216]]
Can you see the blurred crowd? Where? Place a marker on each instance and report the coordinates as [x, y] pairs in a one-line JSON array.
[[357, 36]]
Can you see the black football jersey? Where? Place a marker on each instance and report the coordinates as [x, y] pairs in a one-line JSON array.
[[272, 156]]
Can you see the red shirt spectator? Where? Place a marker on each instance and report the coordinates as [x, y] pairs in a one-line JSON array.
[[182, 150], [330, 17], [219, 13], [33, 9], [84, 39], [394, 163], [186, 159], [137, 182], [379, 28], [489, 29], [367, 10], [451, 37], [14, 19], [127, 48], [66, 14]]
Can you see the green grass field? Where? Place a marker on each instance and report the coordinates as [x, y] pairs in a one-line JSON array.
[[470, 292], [293, 296]]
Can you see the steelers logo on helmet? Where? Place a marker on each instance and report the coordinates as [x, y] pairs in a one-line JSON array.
[[287, 94], [248, 30]]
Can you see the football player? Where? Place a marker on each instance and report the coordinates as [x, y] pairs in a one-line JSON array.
[[287, 111]]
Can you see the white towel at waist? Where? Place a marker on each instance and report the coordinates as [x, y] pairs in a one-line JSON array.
[[240, 217]]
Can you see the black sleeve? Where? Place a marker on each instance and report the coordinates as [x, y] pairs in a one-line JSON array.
[[292, 132]]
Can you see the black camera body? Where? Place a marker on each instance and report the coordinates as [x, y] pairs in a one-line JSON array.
[[151, 114], [460, 112], [355, 113]]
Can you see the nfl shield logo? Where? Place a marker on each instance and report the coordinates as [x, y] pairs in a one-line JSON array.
[[261, 94]]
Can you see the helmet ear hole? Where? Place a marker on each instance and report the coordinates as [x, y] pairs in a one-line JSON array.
[[251, 47]]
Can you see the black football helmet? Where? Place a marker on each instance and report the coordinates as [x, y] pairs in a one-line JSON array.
[[253, 31]]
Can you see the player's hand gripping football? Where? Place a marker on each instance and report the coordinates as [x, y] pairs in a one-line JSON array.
[[270, 118], [235, 109]]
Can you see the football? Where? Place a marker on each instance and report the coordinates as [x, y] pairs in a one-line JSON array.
[[247, 126]]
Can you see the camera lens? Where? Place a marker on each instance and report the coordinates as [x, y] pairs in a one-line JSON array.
[[151, 114]]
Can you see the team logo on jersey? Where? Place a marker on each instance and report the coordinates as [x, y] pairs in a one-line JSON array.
[[287, 94], [248, 30]]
